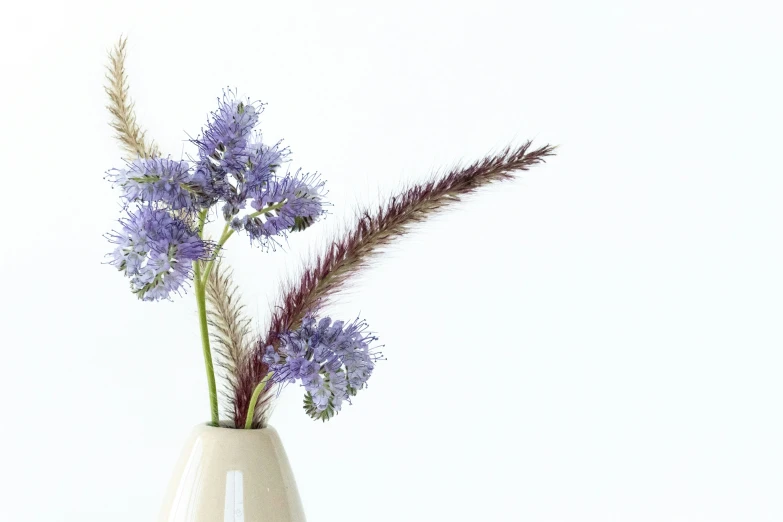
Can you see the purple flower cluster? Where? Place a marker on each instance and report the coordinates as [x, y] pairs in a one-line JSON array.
[[158, 181], [234, 167], [156, 251], [331, 360], [299, 203], [224, 142]]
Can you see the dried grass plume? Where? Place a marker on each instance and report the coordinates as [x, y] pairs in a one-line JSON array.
[[231, 335], [127, 130]]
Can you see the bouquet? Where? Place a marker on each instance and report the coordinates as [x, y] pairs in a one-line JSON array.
[[246, 185]]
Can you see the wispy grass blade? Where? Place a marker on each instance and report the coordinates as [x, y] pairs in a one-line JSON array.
[[230, 329], [121, 107]]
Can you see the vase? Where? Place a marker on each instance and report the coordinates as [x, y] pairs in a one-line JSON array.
[[232, 475]]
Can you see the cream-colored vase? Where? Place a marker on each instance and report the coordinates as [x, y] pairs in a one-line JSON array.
[[228, 475]]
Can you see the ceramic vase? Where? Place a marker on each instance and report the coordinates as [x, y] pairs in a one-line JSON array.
[[232, 475]]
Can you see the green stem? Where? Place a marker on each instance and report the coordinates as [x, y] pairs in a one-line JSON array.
[[251, 410], [201, 301], [226, 234], [202, 218], [200, 282], [267, 210]]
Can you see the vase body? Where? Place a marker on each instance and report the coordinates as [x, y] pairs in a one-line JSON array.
[[230, 475]]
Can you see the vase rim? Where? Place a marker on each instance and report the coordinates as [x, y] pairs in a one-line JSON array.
[[228, 425]]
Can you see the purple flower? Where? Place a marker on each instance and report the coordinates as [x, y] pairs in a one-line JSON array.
[[293, 368], [291, 203], [339, 385], [332, 362], [158, 180], [261, 165], [223, 143], [321, 397], [235, 167], [271, 357], [156, 251]]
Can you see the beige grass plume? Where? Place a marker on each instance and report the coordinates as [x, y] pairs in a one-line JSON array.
[[127, 130], [231, 334]]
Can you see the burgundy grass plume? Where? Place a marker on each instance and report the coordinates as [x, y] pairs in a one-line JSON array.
[[374, 229]]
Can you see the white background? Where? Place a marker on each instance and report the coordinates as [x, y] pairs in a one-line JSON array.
[[599, 340]]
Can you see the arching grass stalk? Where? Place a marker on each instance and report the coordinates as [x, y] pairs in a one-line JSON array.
[[375, 229], [254, 399]]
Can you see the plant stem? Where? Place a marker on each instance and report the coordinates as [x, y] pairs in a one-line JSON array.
[[251, 411], [226, 234], [268, 209], [202, 218], [200, 282], [201, 301]]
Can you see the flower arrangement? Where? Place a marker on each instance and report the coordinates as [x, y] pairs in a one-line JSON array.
[[235, 177]]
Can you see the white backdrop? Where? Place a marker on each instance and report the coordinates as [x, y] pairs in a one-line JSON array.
[[599, 340]]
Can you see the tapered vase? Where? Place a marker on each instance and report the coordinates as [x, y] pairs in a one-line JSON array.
[[232, 475]]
